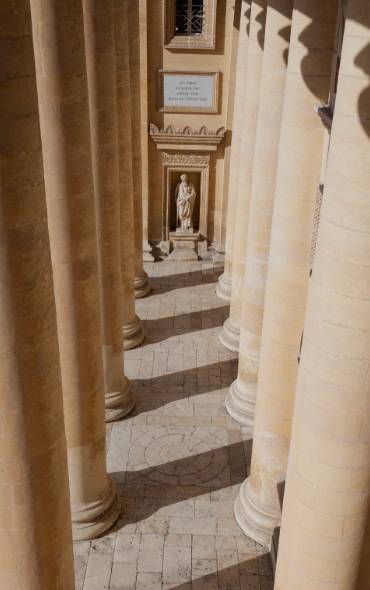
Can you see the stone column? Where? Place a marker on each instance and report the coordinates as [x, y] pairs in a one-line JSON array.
[[326, 501], [240, 402], [144, 126], [223, 288], [133, 333], [141, 282], [35, 518], [364, 566], [300, 153], [101, 78], [64, 110], [231, 329]]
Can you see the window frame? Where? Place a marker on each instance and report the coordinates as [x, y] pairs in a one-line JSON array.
[[204, 40]]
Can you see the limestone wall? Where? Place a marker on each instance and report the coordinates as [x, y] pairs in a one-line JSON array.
[[221, 59]]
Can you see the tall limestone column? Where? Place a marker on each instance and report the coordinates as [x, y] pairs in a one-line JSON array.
[[64, 110], [231, 329], [133, 333], [364, 566], [141, 283], [327, 496], [299, 165], [240, 402], [101, 78], [35, 517], [144, 126], [223, 288]]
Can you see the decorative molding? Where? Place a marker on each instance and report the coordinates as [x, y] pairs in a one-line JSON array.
[[171, 135], [205, 40], [193, 160]]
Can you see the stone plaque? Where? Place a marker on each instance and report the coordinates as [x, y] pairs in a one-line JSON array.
[[196, 92]]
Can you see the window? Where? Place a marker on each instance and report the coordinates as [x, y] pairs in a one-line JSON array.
[[189, 17], [190, 24]]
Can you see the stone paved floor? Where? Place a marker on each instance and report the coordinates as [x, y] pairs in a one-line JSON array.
[[178, 460]]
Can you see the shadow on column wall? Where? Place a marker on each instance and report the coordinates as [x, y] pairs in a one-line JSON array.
[[363, 61], [307, 37]]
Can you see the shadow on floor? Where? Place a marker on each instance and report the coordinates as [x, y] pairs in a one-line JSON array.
[[251, 574], [156, 392], [177, 325], [162, 485], [167, 283]]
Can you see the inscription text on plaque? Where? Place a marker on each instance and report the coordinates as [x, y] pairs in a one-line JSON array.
[[189, 91]]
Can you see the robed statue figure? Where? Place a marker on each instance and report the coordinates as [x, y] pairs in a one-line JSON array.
[[185, 198]]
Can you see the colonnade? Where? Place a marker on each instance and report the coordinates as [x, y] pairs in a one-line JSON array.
[[71, 239], [302, 387], [67, 265]]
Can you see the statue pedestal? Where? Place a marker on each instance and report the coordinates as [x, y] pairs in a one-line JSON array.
[[184, 244]]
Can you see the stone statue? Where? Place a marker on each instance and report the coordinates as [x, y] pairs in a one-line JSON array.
[[185, 198]]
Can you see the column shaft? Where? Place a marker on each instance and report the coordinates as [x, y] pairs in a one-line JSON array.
[[326, 501], [298, 175], [35, 518], [231, 329], [219, 241], [240, 402], [64, 111], [101, 77], [141, 282], [223, 288], [144, 126], [364, 567], [132, 329]]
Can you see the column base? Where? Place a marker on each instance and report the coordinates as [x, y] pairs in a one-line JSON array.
[[92, 520], [255, 520], [218, 254], [218, 258], [119, 403], [240, 405], [141, 285], [230, 336], [147, 252], [223, 289], [133, 334]]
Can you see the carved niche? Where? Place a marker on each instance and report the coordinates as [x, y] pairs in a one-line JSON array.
[[185, 151], [196, 166]]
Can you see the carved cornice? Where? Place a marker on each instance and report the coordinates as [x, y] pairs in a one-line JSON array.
[[187, 135], [191, 160]]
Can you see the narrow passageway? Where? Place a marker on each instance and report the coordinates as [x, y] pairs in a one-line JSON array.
[[178, 459]]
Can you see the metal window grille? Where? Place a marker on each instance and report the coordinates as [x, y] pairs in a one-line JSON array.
[[189, 17]]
